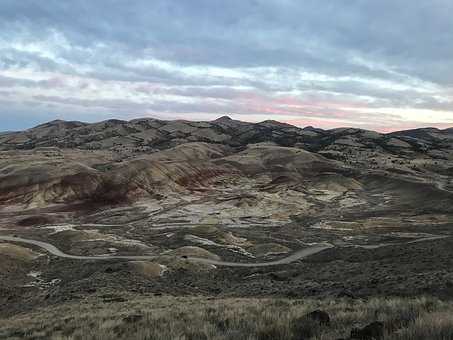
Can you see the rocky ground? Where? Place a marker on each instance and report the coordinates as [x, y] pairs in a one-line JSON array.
[[226, 191]]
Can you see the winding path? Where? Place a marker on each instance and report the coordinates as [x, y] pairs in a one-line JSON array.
[[298, 255], [57, 252]]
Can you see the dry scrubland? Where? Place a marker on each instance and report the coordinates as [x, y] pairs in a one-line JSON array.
[[234, 191], [203, 318]]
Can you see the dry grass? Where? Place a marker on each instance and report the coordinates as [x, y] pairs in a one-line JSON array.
[[164, 318], [17, 252]]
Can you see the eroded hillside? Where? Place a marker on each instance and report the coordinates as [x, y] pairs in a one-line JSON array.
[[222, 208]]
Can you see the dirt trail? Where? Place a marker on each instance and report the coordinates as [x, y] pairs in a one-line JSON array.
[[57, 252], [298, 255]]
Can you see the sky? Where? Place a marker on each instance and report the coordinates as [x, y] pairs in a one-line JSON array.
[[382, 65]]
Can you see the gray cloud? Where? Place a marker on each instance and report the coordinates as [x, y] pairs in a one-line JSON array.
[[175, 56], [249, 33]]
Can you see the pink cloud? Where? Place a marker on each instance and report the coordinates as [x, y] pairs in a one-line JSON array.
[[293, 106], [326, 114]]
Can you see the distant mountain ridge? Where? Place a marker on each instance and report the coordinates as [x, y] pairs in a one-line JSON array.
[[114, 160], [149, 135]]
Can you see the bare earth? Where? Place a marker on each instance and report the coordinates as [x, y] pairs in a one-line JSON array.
[[222, 210]]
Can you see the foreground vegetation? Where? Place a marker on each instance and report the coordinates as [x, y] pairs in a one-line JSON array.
[[127, 317]]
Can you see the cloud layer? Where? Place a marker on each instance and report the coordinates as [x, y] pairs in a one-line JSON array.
[[382, 65]]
